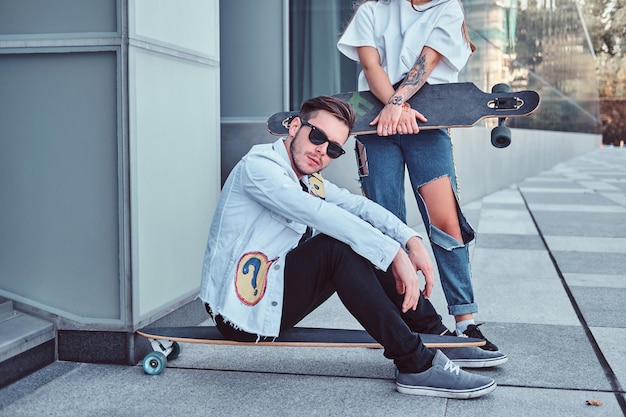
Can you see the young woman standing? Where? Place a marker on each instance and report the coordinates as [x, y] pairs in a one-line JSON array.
[[401, 45]]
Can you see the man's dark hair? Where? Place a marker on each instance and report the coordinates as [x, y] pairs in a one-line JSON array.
[[338, 108]]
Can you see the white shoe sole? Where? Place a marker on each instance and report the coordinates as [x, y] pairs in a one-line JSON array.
[[446, 393], [480, 363]]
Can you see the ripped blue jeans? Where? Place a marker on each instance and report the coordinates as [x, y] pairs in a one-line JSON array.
[[427, 156]]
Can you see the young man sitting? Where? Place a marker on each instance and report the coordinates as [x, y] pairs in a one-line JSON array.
[[275, 253]]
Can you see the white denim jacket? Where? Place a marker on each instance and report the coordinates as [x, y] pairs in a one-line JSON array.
[[260, 217]]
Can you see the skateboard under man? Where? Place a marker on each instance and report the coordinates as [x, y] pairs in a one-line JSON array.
[[444, 105], [166, 341]]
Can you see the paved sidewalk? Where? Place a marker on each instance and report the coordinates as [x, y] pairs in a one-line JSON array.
[[549, 270]]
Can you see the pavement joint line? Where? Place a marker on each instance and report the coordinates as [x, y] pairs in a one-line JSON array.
[[604, 391], [610, 374], [248, 371], [381, 378]]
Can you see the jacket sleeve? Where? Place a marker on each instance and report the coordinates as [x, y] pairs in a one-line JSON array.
[[371, 212], [268, 181]]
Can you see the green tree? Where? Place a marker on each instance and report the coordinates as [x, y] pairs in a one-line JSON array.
[[606, 24]]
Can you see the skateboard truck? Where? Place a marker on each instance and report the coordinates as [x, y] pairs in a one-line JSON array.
[[501, 134], [164, 346]]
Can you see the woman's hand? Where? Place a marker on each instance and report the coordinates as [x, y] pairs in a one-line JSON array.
[[401, 119], [396, 116]]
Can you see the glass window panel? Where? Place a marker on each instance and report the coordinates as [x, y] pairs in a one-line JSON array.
[[27, 17], [316, 65]]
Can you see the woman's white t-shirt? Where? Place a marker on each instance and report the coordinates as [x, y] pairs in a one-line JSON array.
[[399, 33]]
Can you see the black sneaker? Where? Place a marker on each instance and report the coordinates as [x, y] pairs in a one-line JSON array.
[[473, 331]]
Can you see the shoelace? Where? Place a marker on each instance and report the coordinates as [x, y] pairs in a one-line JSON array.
[[451, 367]]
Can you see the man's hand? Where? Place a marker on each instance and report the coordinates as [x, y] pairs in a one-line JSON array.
[[404, 268], [407, 282], [421, 261]]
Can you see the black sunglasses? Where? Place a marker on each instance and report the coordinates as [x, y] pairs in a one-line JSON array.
[[317, 137]]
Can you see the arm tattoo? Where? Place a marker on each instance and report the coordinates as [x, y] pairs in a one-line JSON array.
[[416, 75], [396, 100]]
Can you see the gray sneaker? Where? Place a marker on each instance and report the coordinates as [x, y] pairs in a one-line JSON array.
[[444, 379], [475, 357]]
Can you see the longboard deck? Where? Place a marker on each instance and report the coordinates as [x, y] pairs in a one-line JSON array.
[[444, 105], [297, 337]]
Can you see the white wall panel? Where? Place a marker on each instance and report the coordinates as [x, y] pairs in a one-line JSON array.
[[174, 136], [189, 25]]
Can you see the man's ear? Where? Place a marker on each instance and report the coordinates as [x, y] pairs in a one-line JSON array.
[[294, 125]]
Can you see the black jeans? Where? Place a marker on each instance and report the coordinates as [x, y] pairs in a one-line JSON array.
[[322, 266]]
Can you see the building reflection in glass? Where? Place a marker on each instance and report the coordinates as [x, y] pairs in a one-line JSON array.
[[537, 45]]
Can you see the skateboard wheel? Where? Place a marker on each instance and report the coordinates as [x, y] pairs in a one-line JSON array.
[[154, 363], [501, 88], [501, 136], [176, 349]]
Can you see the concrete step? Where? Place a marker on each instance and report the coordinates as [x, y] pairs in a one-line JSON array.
[[21, 333], [27, 344], [6, 309]]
